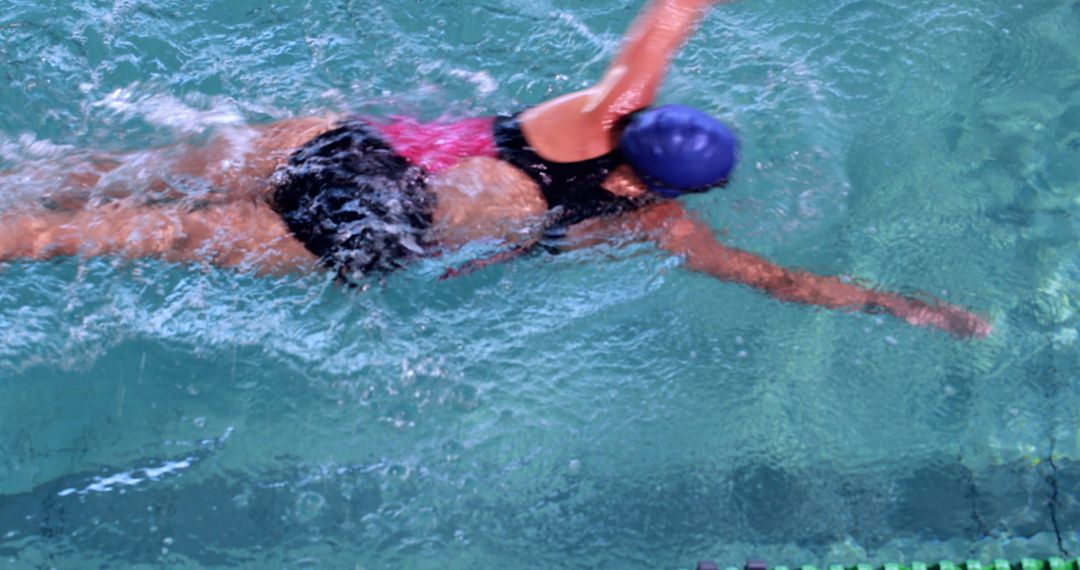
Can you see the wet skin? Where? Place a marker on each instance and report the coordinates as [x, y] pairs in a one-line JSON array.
[[477, 198]]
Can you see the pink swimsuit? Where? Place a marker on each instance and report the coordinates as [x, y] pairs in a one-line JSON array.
[[438, 146]]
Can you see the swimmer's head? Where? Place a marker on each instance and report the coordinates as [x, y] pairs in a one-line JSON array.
[[677, 150]]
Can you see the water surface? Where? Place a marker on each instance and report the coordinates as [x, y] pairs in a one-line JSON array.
[[596, 408]]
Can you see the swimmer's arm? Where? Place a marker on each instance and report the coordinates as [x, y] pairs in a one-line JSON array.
[[240, 234], [633, 78], [676, 231]]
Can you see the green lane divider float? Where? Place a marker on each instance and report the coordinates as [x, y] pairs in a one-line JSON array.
[[1024, 564]]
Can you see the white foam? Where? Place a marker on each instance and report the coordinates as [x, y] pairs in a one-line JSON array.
[[170, 467], [578, 26], [168, 111], [129, 478], [484, 82]]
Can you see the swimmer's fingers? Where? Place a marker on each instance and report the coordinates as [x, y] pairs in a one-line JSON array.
[[954, 320], [944, 316]]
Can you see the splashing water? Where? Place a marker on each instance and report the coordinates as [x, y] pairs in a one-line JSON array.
[[589, 409]]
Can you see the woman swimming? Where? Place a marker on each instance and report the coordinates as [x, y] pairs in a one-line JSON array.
[[361, 195]]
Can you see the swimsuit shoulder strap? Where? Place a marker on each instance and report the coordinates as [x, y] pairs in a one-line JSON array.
[[573, 189]]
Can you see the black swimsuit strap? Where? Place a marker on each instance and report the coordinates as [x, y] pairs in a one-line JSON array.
[[573, 190]]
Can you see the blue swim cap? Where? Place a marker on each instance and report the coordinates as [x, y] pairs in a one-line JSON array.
[[675, 149]]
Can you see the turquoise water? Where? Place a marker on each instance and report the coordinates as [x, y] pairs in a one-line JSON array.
[[588, 410]]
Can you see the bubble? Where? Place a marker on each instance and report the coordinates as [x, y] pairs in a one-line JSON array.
[[308, 505], [574, 466]]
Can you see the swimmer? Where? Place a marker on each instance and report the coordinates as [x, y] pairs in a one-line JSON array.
[[360, 196]]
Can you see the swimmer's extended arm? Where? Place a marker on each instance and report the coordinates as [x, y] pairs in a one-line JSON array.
[[630, 83], [675, 230], [240, 234]]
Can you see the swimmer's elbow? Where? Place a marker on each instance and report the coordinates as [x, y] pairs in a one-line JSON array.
[[617, 94]]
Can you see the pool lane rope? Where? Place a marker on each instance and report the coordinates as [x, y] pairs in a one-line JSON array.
[[1054, 563]]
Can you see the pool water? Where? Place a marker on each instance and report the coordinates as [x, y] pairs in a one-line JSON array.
[[586, 410]]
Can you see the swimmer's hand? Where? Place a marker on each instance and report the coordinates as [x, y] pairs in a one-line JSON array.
[[675, 230], [944, 316]]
